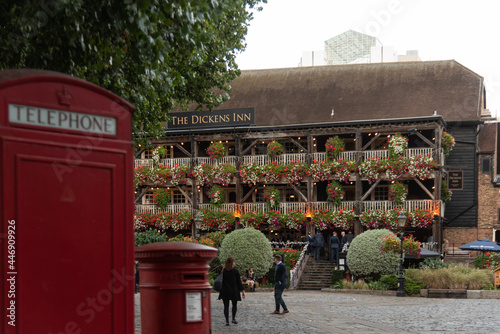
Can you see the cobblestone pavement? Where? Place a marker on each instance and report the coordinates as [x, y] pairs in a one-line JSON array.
[[322, 312]]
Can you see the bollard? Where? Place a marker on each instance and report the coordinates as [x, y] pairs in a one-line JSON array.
[[175, 293]]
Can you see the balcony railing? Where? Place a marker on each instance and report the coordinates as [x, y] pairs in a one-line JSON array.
[[230, 207], [152, 208], [345, 205], [283, 208], [284, 158], [409, 205]]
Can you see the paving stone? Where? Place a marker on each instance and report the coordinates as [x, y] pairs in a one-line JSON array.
[[317, 312]]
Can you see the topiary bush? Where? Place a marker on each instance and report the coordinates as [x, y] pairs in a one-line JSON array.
[[249, 248], [365, 259]]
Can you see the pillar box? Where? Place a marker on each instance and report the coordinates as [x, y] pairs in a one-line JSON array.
[[175, 293], [66, 206]]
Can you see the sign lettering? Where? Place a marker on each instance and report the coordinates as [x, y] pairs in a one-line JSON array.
[[455, 180], [216, 118], [60, 119]]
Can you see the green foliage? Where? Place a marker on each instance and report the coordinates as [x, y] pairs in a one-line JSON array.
[[249, 248], [337, 285], [149, 237], [489, 286], [377, 285], [156, 54], [432, 263], [337, 275], [452, 277], [364, 258], [391, 281], [412, 286], [480, 261], [216, 237], [162, 198]]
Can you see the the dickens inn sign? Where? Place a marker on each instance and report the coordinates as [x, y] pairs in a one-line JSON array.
[[211, 119]]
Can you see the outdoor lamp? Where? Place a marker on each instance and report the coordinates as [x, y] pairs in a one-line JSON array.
[[197, 222], [401, 220]]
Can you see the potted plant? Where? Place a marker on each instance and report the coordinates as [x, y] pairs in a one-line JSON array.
[[447, 143], [397, 193], [335, 193], [158, 153], [334, 146], [161, 197], [274, 149], [216, 150], [272, 197], [216, 196], [397, 145]]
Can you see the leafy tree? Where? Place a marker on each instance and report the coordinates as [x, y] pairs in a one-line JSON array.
[[158, 54]]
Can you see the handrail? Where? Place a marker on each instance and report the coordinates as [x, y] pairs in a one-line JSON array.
[[299, 268]]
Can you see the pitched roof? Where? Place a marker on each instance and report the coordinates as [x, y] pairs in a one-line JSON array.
[[359, 92]]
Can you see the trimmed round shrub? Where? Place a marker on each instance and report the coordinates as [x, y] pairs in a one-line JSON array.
[[365, 259], [249, 248]]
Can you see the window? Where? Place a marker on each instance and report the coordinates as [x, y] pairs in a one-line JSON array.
[[259, 196], [486, 165], [147, 154], [292, 197], [148, 198], [177, 197], [260, 149], [381, 193]]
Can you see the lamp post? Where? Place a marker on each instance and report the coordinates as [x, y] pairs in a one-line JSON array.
[[401, 278], [197, 223]]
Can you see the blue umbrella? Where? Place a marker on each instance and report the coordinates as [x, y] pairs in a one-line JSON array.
[[483, 245]]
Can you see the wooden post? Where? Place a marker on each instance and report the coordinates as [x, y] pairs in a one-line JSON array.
[[359, 185]]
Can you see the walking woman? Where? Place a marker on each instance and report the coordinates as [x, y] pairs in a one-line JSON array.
[[231, 287]]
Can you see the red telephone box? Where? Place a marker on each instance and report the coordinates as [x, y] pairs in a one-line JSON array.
[[66, 206]]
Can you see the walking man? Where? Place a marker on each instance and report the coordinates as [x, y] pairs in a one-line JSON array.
[[309, 240], [279, 284], [334, 247], [318, 243]]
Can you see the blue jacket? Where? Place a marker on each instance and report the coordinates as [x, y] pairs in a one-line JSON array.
[[334, 242], [280, 275], [318, 240]]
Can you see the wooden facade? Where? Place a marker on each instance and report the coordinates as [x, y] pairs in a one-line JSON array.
[[364, 105]]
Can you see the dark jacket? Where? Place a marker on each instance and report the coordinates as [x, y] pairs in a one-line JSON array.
[[231, 285], [318, 240], [349, 237], [334, 242], [280, 279]]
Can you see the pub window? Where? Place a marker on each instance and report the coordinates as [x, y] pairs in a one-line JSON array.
[[147, 154], [260, 149], [486, 165], [381, 193], [148, 198], [291, 196], [259, 195], [178, 197]]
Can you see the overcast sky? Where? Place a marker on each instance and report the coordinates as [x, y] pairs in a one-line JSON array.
[[465, 30]]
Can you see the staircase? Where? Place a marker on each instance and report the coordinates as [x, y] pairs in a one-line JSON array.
[[316, 276]]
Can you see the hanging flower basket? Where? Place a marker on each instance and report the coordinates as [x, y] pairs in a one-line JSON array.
[[161, 197], [445, 192], [250, 173], [274, 149], [272, 197], [335, 193], [216, 150], [397, 145], [397, 193], [216, 196], [447, 143], [334, 146]]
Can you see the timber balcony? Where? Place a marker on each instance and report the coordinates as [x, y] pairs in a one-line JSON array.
[[284, 158], [410, 205]]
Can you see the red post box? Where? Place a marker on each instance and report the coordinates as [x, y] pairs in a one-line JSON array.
[[175, 293], [66, 206]]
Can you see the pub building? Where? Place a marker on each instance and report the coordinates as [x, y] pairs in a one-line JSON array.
[[331, 148]]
